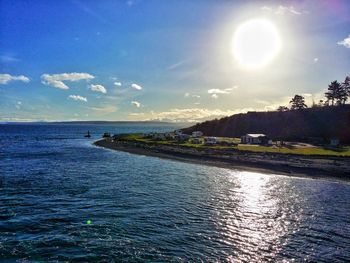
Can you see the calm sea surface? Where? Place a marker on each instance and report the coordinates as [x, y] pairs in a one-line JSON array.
[[63, 199]]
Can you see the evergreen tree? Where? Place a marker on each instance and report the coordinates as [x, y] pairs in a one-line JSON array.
[[332, 94], [297, 103], [346, 89]]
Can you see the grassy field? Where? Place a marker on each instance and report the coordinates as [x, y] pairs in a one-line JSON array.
[[339, 151]]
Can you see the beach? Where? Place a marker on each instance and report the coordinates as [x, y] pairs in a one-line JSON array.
[[286, 164]]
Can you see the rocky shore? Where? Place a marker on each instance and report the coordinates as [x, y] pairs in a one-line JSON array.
[[287, 164]]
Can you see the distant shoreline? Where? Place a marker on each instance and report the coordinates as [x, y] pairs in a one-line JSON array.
[[285, 164]]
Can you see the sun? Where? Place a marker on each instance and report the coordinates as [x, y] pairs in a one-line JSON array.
[[256, 43]]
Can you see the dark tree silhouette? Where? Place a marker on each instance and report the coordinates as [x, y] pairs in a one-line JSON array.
[[346, 89], [282, 108], [332, 94], [297, 103]]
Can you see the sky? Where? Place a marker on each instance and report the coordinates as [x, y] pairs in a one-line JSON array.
[[163, 60]]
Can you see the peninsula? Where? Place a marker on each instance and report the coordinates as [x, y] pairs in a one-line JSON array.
[[312, 141], [288, 159]]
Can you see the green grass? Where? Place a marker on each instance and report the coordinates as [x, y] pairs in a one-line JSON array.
[[340, 151]]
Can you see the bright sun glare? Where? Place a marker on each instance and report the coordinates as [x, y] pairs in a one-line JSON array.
[[256, 43]]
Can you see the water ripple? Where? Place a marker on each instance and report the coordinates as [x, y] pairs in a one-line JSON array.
[[61, 199]]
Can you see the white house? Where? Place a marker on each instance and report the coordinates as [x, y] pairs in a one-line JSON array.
[[210, 140], [253, 138], [197, 134]]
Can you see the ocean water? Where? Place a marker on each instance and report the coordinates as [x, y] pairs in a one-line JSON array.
[[64, 200]]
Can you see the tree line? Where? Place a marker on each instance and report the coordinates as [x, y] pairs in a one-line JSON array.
[[336, 94]]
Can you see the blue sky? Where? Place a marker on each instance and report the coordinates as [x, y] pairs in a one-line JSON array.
[[161, 60]]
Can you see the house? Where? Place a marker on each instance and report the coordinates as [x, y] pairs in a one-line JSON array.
[[253, 138], [197, 134], [210, 140]]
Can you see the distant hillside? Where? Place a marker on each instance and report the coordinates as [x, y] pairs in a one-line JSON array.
[[302, 125]]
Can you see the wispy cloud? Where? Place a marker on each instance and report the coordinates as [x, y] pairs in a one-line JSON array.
[[220, 91], [8, 58], [98, 88], [187, 95], [131, 2], [345, 42], [6, 78], [56, 80], [105, 109], [178, 64], [136, 86], [136, 104], [214, 96], [118, 84], [77, 98], [18, 105], [283, 10], [84, 7], [182, 115], [315, 60]]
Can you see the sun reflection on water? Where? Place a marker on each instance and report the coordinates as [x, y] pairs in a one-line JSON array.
[[258, 218]]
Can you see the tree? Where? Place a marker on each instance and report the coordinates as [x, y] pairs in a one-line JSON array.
[[282, 108], [346, 89], [298, 103], [333, 92]]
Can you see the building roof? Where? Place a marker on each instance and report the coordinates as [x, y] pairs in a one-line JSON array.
[[255, 135]]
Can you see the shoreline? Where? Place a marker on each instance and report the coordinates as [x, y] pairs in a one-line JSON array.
[[267, 163]]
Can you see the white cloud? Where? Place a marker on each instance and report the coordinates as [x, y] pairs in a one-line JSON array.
[[182, 115], [214, 96], [5, 78], [345, 42], [135, 86], [136, 104], [56, 80], [307, 94], [104, 110], [315, 60], [282, 10], [187, 95], [77, 97], [118, 84], [98, 88], [220, 91]]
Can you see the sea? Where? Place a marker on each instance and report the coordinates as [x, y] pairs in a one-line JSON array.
[[62, 199]]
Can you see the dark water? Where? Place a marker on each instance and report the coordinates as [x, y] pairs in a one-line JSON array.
[[52, 182]]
